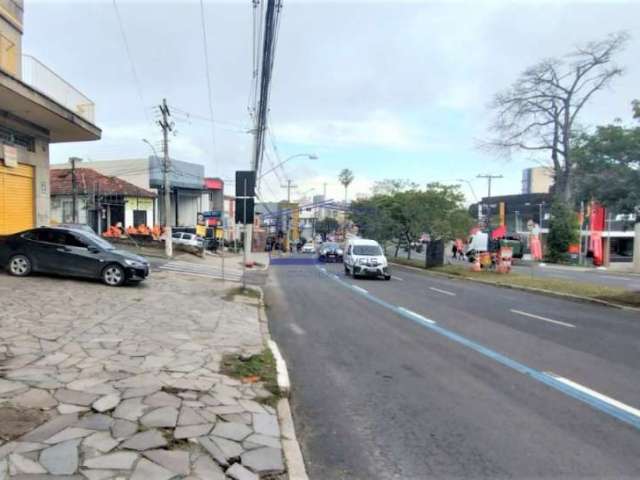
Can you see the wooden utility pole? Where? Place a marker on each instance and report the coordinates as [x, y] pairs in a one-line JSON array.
[[289, 186], [74, 189], [166, 128]]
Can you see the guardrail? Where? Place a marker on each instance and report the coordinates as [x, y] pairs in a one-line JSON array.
[[42, 78]]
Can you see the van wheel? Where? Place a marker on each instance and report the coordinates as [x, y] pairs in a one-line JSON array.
[[20, 265], [387, 277]]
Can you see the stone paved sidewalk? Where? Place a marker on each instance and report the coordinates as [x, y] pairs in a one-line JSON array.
[[99, 383]]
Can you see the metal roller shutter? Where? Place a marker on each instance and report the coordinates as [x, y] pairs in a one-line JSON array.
[[16, 199]]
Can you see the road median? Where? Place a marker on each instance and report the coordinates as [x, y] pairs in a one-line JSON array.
[[577, 291]]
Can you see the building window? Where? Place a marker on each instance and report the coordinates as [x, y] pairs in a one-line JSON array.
[[14, 138], [8, 56], [139, 217]]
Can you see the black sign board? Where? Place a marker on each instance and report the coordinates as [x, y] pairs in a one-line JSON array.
[[241, 204], [245, 179]]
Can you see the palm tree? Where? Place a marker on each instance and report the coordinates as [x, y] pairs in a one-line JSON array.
[[345, 177]]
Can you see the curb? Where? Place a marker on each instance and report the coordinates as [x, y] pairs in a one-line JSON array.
[[296, 469], [549, 293]]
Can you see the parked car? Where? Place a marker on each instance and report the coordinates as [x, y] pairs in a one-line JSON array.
[[330, 252], [76, 226], [71, 252], [365, 258], [308, 247], [191, 239]]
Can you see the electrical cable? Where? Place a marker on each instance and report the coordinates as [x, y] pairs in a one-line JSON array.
[[209, 93]]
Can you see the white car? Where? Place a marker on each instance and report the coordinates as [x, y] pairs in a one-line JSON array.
[[191, 239], [308, 248], [365, 258]]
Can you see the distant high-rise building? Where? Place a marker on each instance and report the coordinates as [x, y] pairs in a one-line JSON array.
[[537, 180]]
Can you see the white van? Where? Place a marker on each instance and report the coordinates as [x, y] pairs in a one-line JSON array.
[[365, 258]]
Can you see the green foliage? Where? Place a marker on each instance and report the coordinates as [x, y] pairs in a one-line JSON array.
[[608, 167], [326, 226], [390, 186], [406, 214], [563, 231], [636, 109]]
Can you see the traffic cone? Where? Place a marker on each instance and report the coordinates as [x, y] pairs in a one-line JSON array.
[[475, 267]]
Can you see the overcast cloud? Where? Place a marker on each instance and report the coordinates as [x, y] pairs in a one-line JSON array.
[[388, 89]]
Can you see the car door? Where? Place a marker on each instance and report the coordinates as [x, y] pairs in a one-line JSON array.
[[349, 257], [177, 238], [43, 248], [81, 258]]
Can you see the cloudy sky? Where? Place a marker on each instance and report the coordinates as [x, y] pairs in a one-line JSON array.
[[388, 89]]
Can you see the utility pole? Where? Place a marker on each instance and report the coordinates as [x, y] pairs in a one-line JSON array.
[[74, 189], [489, 178], [289, 186], [166, 128]]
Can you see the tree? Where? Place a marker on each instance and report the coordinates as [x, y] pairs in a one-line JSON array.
[[389, 186], [608, 167], [636, 109], [539, 112], [406, 215], [346, 177], [563, 231], [326, 226]]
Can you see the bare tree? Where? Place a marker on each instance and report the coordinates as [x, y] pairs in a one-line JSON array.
[[538, 112]]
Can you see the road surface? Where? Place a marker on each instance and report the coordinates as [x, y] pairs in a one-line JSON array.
[[503, 384]]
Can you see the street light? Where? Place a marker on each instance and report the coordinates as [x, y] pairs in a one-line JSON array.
[[470, 187], [155, 154], [310, 156]]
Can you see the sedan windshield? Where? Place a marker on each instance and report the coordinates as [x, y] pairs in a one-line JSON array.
[[367, 250]]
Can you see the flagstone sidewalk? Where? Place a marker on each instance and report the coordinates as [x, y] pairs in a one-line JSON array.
[[99, 383]]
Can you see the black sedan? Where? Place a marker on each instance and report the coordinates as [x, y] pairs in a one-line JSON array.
[[69, 251], [330, 252]]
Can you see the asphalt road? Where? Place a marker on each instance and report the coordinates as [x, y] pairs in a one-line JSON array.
[[379, 393]]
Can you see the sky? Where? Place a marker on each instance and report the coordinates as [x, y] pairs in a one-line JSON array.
[[395, 89]]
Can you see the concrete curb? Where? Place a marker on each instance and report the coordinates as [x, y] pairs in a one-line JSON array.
[[549, 293], [296, 469]]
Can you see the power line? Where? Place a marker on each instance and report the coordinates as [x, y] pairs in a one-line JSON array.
[[206, 63], [131, 63]]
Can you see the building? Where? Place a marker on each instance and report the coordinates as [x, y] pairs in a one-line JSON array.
[[537, 180], [186, 182], [37, 108], [101, 201]]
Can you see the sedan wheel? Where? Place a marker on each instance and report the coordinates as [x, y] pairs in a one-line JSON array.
[[113, 275], [20, 265]]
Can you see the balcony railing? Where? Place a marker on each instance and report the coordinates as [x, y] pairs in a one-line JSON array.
[[45, 80]]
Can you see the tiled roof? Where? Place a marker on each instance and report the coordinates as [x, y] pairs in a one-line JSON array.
[[89, 180]]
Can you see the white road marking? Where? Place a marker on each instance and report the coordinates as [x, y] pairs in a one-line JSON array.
[[599, 396], [336, 277], [416, 315], [538, 317], [360, 289], [296, 329], [442, 291], [397, 278]]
